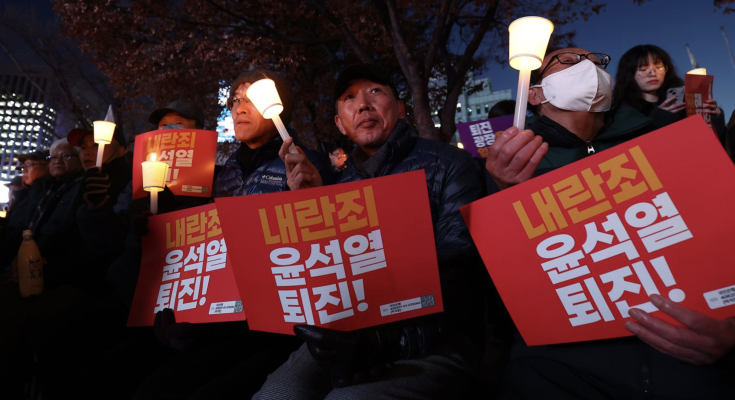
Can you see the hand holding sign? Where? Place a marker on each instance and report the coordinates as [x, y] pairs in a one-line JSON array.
[[710, 107], [514, 157], [352, 356], [702, 340]]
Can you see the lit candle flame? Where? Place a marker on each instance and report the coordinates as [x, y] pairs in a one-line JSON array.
[[152, 157]]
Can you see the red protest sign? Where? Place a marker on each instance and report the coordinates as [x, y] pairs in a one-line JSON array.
[[572, 250], [185, 267], [698, 89], [345, 256], [190, 154]]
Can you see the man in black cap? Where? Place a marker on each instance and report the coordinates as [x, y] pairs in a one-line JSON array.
[[180, 114], [204, 368], [35, 169], [435, 356]]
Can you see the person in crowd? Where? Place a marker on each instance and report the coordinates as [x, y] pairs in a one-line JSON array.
[[99, 224], [67, 274], [179, 114], [428, 357], [228, 360], [35, 167], [645, 73], [694, 360], [502, 108], [16, 192], [337, 157], [108, 219]]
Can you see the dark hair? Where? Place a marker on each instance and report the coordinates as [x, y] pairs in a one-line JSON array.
[[501, 108], [283, 87], [626, 89]]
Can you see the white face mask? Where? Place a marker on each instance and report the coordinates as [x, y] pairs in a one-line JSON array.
[[582, 87]]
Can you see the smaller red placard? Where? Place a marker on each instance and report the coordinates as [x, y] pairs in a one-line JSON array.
[[698, 89], [190, 154], [185, 267]]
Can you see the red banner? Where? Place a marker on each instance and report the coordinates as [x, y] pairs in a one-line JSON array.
[[185, 267], [190, 154], [572, 250], [345, 256], [698, 89]]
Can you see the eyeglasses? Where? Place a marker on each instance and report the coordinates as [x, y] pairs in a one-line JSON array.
[[66, 157], [599, 59], [645, 71], [340, 156], [234, 103], [28, 166]]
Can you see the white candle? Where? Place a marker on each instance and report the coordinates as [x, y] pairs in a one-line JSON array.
[[264, 96], [103, 132], [154, 179], [529, 37]]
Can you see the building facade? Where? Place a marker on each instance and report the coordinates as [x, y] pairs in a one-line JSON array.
[[27, 119], [475, 106]]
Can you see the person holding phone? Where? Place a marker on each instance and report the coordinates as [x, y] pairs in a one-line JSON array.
[[643, 79]]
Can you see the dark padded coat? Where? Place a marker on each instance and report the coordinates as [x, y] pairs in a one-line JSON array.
[[261, 170], [623, 368], [453, 179]]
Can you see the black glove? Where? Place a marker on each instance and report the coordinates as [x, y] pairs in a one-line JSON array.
[[180, 336], [96, 186], [140, 224], [353, 357]]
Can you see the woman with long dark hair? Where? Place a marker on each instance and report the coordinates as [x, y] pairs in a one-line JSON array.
[[644, 74]]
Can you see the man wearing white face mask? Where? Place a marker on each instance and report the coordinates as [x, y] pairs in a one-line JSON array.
[[571, 93]]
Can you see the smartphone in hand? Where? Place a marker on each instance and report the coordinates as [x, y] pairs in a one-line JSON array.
[[677, 92]]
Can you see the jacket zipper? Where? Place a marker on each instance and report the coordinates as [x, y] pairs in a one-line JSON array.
[[590, 148]]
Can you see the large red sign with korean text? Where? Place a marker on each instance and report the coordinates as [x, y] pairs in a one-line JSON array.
[[185, 267], [345, 256], [573, 250], [190, 154]]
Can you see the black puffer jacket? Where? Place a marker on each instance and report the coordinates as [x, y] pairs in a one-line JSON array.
[[453, 179], [261, 170]]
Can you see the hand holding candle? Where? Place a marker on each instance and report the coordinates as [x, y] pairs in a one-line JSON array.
[[154, 179], [103, 132], [265, 98], [529, 37]]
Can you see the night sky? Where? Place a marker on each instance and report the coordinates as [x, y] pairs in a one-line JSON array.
[[669, 24]]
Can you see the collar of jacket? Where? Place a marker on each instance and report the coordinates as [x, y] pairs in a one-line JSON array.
[[399, 144], [618, 124], [250, 159]]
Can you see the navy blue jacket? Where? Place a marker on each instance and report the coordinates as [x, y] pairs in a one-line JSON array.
[[453, 179], [260, 170]]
